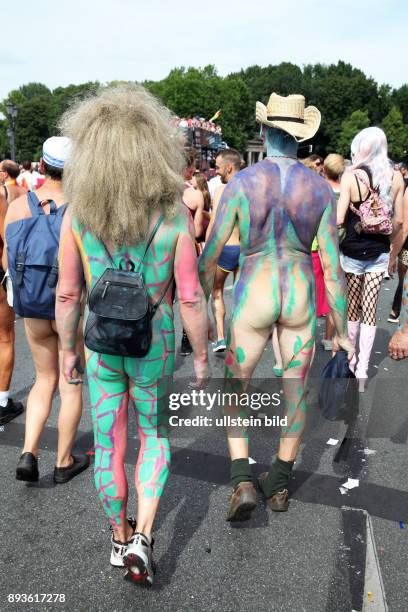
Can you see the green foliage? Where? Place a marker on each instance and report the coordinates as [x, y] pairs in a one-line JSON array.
[[346, 97], [4, 143], [397, 134], [357, 121], [399, 98], [190, 92], [338, 91]]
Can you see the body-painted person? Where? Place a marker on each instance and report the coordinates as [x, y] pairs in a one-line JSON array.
[[398, 347], [280, 206], [127, 134]]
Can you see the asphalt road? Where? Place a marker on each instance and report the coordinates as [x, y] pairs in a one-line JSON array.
[[55, 539]]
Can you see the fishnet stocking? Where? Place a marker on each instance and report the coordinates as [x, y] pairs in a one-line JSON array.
[[362, 294], [371, 291], [354, 287]]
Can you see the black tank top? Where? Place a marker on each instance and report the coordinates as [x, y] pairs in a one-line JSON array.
[[362, 246]]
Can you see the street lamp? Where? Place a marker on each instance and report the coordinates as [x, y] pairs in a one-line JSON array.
[[12, 113]]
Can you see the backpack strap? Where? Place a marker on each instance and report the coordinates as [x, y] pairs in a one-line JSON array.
[[36, 208], [159, 301], [148, 243], [358, 187], [152, 235]]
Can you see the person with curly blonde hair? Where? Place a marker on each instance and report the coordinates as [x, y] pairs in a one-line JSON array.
[[124, 184]]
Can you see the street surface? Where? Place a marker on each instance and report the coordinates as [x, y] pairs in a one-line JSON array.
[[330, 553]]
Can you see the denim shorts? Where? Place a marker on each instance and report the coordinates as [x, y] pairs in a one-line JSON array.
[[357, 266]]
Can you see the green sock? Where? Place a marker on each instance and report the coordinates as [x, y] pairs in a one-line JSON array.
[[240, 472], [278, 477]]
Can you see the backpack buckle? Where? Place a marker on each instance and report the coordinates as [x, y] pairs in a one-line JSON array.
[[53, 275], [20, 265]]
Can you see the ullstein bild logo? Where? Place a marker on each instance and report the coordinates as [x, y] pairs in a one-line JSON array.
[[228, 421]]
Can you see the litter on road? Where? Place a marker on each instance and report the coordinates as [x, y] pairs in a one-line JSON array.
[[332, 442], [351, 483]]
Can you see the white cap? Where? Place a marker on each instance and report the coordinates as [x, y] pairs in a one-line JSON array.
[[56, 151]]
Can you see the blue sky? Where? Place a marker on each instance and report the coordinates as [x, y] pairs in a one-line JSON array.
[[72, 41]]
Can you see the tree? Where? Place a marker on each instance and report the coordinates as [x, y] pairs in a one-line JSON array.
[[399, 98], [284, 79], [397, 134], [357, 121], [338, 90], [192, 91], [63, 97], [32, 127]]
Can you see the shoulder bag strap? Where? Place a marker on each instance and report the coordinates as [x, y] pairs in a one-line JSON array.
[[358, 187], [159, 301], [148, 243], [152, 235]]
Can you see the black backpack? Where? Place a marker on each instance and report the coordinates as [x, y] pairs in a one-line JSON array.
[[120, 310]]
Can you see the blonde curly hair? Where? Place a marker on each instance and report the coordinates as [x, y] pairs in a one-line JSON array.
[[126, 163]]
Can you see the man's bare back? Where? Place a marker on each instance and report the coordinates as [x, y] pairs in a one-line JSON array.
[[234, 238]]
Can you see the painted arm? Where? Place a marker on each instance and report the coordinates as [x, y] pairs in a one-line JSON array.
[[68, 297], [193, 306], [398, 347], [333, 274], [399, 219], [224, 222]]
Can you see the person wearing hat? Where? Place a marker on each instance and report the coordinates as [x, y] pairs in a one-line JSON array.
[[280, 206], [44, 344]]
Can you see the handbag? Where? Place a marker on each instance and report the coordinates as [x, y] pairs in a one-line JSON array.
[[338, 394]]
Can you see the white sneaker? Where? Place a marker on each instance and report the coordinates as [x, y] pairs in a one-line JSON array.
[[138, 560], [119, 548]]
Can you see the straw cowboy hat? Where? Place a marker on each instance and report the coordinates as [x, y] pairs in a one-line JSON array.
[[288, 113]]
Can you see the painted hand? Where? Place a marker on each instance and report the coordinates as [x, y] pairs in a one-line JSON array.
[[70, 362], [398, 346]]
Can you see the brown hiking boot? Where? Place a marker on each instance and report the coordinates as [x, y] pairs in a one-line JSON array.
[[242, 502], [279, 502]]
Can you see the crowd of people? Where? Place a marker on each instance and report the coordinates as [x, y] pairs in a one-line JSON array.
[[197, 122], [95, 283]]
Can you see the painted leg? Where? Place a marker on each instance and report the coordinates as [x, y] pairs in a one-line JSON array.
[[108, 389], [153, 463], [245, 348], [297, 347], [277, 368]]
